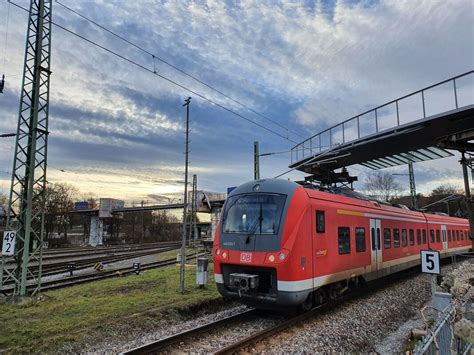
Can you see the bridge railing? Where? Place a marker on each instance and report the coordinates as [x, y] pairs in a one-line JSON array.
[[444, 96]]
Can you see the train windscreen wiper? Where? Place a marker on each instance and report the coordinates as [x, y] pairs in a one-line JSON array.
[[258, 222]]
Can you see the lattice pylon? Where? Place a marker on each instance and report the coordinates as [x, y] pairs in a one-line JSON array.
[[27, 194]]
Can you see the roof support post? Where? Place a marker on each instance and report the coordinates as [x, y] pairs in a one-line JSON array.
[[469, 202]]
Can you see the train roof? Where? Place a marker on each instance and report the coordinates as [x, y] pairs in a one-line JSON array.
[[344, 195]]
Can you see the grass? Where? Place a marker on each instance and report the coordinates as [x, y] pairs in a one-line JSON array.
[[70, 314]]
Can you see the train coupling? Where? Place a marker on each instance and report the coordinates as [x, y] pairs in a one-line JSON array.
[[243, 282]]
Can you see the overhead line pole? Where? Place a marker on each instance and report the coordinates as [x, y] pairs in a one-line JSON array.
[[194, 212], [27, 194], [185, 207], [411, 175], [256, 161]]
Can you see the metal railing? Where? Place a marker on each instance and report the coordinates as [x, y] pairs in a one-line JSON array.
[[441, 338], [447, 95]]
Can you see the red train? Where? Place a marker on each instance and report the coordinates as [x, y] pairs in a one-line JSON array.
[[282, 244]]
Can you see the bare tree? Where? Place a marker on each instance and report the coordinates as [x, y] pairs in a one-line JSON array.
[[3, 209], [59, 201], [382, 186], [446, 190]]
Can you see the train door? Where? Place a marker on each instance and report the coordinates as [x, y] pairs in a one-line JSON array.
[[375, 244], [445, 240]]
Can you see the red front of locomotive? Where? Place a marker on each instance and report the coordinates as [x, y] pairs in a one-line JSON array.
[[262, 247]]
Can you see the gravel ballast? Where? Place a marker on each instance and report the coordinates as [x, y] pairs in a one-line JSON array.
[[378, 322]]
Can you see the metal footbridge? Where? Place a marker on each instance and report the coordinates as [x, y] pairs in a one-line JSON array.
[[416, 127]]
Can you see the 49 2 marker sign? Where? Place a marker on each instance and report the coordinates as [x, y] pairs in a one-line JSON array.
[[8, 246]]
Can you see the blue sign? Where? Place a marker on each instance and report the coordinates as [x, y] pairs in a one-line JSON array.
[[82, 205]]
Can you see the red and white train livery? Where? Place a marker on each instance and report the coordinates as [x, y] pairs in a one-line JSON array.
[[283, 244]]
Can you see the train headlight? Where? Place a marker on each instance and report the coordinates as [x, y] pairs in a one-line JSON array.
[[281, 256], [218, 252], [271, 258], [224, 255]]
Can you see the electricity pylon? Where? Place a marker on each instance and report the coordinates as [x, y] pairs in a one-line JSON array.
[[27, 194]]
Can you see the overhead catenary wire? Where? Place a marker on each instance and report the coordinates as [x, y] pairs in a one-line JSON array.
[[194, 92], [156, 57]]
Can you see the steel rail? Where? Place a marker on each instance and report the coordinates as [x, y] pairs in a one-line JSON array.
[[80, 279], [60, 268], [124, 247], [173, 339], [57, 266], [254, 338]]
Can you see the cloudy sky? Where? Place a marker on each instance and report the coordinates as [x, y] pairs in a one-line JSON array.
[[118, 130]]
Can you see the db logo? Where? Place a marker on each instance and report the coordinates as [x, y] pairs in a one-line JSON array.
[[245, 257]]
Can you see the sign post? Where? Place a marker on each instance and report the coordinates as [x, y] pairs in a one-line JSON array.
[[430, 265]]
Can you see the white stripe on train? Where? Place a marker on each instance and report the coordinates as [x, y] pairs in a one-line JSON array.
[[309, 284]]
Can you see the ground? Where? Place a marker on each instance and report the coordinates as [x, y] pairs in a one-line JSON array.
[[70, 315]]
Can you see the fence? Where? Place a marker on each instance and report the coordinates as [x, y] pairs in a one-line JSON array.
[[441, 339], [441, 97]]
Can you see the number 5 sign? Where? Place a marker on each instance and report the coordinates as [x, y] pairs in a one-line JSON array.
[[430, 261], [8, 247]]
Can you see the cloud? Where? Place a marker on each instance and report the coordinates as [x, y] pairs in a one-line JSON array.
[[307, 66]]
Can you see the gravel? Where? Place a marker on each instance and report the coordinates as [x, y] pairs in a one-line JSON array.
[[142, 329], [379, 322], [373, 323]]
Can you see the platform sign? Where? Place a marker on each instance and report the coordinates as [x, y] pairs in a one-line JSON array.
[[8, 246], [429, 261]]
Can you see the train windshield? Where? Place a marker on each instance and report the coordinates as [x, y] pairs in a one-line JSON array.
[[253, 214]]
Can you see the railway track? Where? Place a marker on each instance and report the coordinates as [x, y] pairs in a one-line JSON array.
[[89, 251], [52, 268], [164, 343], [243, 344], [105, 249], [80, 279]]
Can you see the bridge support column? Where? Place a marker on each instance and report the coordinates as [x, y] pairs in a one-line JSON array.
[[469, 202], [96, 236]]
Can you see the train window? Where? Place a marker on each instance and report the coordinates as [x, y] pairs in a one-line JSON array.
[[449, 235], [387, 238], [457, 236], [320, 222], [344, 240], [360, 239], [424, 236], [404, 237], [432, 236], [412, 237], [438, 238], [462, 235], [254, 213], [418, 236], [396, 238]]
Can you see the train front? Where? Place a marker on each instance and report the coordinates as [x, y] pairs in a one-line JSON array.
[[254, 256]]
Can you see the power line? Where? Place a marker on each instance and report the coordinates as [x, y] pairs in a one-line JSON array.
[[154, 56], [163, 77]]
